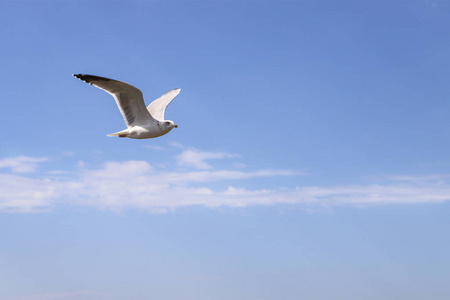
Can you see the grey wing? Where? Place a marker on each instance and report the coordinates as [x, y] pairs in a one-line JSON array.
[[129, 99], [158, 107]]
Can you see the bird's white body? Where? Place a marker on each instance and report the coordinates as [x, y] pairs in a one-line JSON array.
[[142, 122], [146, 131]]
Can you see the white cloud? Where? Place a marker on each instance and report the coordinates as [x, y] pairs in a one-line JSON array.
[[56, 172], [139, 185], [68, 153], [22, 164], [24, 194], [177, 145], [197, 159], [154, 147], [136, 184]]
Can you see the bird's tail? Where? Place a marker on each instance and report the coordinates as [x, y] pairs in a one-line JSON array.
[[123, 133]]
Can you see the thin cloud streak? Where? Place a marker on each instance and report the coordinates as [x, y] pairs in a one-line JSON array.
[[138, 185], [197, 159], [25, 194], [22, 164]]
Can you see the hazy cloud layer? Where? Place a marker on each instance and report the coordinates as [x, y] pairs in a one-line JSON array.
[[22, 164], [139, 185], [198, 159]]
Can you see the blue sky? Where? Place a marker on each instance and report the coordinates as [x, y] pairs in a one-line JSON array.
[[311, 159]]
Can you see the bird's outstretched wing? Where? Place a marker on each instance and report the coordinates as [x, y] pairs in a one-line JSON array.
[[158, 107], [129, 99]]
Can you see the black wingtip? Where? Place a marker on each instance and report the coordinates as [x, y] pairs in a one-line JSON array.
[[85, 78], [89, 78], [80, 76]]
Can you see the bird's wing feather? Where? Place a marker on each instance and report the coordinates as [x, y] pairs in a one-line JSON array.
[[158, 107], [129, 99]]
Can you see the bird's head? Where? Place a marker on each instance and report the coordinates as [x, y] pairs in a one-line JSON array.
[[169, 124]]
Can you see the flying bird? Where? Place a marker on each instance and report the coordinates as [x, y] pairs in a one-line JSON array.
[[142, 122]]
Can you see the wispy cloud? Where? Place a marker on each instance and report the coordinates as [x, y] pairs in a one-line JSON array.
[[68, 153], [25, 194], [154, 147], [137, 184], [177, 145], [140, 185], [197, 159], [22, 164]]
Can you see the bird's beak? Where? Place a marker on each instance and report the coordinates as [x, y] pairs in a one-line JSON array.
[[176, 126]]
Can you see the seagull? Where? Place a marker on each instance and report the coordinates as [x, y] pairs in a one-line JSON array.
[[142, 122]]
